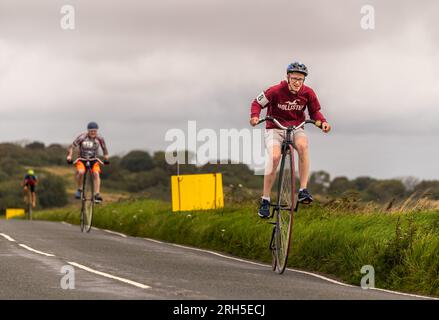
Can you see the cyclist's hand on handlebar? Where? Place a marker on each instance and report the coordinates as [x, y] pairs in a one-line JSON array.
[[106, 160], [254, 121], [326, 127], [69, 160]]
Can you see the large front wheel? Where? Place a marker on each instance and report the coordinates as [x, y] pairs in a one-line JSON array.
[[87, 203], [29, 205], [284, 210]]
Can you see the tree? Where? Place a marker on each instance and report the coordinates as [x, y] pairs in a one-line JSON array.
[[385, 190], [339, 186], [410, 182], [319, 182], [35, 146], [429, 188], [148, 179], [362, 183], [137, 161], [160, 162]]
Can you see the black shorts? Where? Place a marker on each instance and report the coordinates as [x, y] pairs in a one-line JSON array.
[[31, 187]]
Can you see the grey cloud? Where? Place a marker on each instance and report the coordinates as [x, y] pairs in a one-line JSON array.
[[141, 67]]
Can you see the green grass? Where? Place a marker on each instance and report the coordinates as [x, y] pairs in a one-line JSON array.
[[402, 247]]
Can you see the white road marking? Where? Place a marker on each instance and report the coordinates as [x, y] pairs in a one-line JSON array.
[[321, 277], [404, 294], [7, 237], [221, 255], [103, 274], [36, 251], [153, 240], [116, 233]]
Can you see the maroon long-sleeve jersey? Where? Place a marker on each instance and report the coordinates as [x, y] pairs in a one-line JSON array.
[[288, 108]]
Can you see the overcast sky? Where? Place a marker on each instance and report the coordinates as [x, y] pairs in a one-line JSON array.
[[139, 68]]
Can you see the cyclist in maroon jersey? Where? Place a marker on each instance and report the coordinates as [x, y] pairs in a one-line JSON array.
[[89, 144], [287, 102]]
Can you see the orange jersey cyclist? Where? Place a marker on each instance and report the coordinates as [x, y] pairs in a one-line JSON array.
[[287, 102], [89, 144]]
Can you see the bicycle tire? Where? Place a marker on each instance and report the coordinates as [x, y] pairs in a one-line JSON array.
[[284, 210], [83, 202], [273, 250], [29, 205], [87, 208]]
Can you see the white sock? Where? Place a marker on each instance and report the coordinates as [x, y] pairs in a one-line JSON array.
[[266, 198]]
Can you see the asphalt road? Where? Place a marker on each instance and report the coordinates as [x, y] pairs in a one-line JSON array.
[[111, 266]]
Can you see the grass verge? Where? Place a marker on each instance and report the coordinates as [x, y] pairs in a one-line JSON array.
[[403, 248]]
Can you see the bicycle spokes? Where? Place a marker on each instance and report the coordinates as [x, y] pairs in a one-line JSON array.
[[283, 212], [87, 204]]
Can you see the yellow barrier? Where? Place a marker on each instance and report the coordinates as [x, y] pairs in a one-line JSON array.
[[197, 192], [12, 213]]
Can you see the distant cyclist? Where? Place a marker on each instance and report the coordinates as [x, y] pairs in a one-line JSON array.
[[29, 184], [89, 144], [287, 102]]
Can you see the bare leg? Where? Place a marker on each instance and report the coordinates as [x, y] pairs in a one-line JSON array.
[[301, 145], [25, 195], [34, 199], [97, 182], [79, 179], [270, 170]]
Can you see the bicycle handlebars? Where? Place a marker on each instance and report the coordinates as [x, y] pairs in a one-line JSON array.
[[317, 123]]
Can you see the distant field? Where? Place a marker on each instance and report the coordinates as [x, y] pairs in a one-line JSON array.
[[60, 171], [403, 247]]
